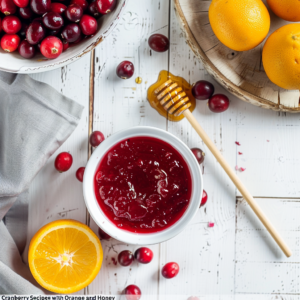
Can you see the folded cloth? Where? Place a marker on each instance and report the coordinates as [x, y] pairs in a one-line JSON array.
[[34, 121]]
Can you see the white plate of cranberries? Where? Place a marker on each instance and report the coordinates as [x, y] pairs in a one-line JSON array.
[[41, 35]]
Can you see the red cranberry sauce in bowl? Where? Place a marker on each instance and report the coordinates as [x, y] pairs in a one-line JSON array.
[[143, 185]]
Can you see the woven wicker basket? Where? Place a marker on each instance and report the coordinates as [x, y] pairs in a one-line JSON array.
[[241, 73]]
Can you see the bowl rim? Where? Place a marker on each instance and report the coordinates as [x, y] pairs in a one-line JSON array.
[[137, 238], [87, 46]]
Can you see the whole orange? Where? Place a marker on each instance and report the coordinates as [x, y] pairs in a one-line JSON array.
[[281, 57], [288, 10], [239, 24]]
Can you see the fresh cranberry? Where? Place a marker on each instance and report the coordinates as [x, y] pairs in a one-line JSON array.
[[8, 7], [125, 69], [0, 25], [38, 19], [103, 235], [74, 13], [93, 10], [10, 42], [125, 258], [199, 154], [204, 198], [96, 138], [63, 161], [66, 45], [21, 3], [25, 13], [58, 8], [88, 25], [26, 50], [56, 32], [35, 33], [143, 255], [106, 6], [11, 24], [77, 41], [40, 7], [80, 173], [83, 3], [170, 270], [71, 33], [218, 103], [203, 90], [158, 42], [53, 20], [22, 32], [51, 47], [132, 292]]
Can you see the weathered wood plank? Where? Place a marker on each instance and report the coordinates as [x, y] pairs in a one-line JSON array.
[[120, 104], [52, 195]]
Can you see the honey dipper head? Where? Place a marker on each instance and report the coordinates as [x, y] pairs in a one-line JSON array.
[[171, 95], [172, 98]]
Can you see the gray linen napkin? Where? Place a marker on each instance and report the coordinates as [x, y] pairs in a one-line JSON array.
[[34, 121]]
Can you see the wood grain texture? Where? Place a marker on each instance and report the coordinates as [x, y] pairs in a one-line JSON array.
[[52, 195], [120, 104], [274, 273], [216, 263], [240, 72]]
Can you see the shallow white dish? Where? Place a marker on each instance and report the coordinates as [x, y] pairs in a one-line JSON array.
[[130, 237], [14, 63]]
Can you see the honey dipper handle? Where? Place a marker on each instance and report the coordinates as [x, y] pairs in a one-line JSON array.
[[238, 183]]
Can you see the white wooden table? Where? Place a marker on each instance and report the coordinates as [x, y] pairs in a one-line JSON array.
[[234, 260]]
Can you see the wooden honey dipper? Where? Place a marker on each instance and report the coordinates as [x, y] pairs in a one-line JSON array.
[[175, 101]]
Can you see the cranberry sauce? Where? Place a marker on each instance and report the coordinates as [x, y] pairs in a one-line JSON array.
[[143, 185]]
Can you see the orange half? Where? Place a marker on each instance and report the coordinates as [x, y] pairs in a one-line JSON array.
[[65, 256]]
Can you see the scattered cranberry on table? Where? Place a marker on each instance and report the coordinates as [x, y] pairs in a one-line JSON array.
[[10, 42], [11, 24], [170, 270], [103, 235], [218, 103], [106, 6], [88, 25], [26, 50], [132, 292], [203, 90], [63, 162], [125, 258], [143, 255], [125, 69], [51, 47], [96, 138], [158, 42], [80, 173], [204, 198], [199, 154]]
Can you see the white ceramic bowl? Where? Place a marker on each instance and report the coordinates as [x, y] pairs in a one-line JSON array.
[[14, 63], [130, 237]]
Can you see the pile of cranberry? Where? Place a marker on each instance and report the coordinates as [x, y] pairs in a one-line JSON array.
[[49, 27]]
